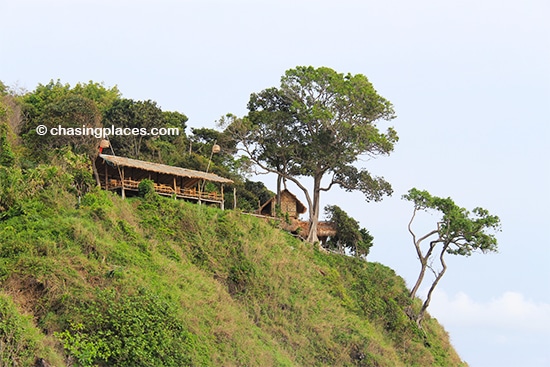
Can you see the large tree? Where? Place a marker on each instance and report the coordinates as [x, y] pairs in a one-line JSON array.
[[457, 232], [127, 113], [57, 104], [318, 124]]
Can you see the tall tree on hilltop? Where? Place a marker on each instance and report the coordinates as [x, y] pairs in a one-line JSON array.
[[317, 124], [35, 103], [456, 233], [57, 104], [168, 149], [130, 114], [69, 111]]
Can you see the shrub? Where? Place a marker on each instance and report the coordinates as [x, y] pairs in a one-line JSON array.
[[146, 188], [130, 330], [18, 337], [97, 201]]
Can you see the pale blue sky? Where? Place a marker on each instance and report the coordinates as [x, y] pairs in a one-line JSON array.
[[470, 82]]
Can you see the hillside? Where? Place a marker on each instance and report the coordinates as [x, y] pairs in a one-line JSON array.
[[151, 281]]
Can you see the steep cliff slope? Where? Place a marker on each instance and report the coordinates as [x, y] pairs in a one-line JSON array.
[[158, 282]]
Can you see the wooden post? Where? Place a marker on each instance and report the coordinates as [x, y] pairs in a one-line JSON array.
[[123, 192], [234, 198], [175, 189], [222, 203], [200, 193], [106, 177]]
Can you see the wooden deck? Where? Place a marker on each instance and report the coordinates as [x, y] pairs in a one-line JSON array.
[[165, 190]]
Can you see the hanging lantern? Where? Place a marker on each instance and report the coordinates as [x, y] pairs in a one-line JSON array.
[[104, 143]]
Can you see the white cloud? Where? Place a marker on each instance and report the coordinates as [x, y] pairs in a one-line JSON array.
[[510, 311]]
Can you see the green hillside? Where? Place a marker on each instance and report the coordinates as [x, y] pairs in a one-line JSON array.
[[157, 282], [90, 279]]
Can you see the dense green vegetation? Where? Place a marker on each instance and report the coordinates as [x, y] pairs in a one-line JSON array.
[[156, 282], [90, 279]]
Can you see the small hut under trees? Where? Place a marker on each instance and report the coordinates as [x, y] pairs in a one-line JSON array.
[[290, 205], [291, 208], [124, 175]]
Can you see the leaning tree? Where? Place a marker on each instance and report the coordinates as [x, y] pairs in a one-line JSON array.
[[318, 124], [458, 232]]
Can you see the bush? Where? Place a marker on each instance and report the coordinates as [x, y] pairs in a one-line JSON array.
[[130, 330], [18, 337], [97, 201], [7, 157], [146, 188]]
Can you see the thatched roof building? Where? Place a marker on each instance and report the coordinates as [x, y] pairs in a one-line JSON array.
[[324, 229], [124, 175], [290, 205]]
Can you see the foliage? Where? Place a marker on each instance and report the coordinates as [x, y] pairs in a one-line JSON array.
[[458, 233], [18, 339], [102, 96], [94, 105], [35, 103], [57, 104], [127, 113], [156, 281], [18, 186], [3, 88], [317, 124], [11, 181], [349, 235], [129, 330], [175, 119], [78, 167], [72, 111], [146, 188], [7, 157], [189, 284]]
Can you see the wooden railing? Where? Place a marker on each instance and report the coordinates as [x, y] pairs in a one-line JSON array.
[[167, 190], [194, 193]]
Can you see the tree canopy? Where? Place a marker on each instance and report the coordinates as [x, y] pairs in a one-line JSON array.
[[317, 124], [94, 105], [349, 235]]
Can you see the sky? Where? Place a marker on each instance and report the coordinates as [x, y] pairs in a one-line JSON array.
[[469, 81]]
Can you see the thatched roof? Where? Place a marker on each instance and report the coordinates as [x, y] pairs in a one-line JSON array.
[[326, 229], [163, 168], [300, 207]]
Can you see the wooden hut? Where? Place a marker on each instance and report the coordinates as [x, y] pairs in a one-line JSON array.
[[324, 229], [124, 175], [290, 205]]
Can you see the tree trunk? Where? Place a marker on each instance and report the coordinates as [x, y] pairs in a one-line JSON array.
[[426, 303], [96, 174], [314, 214], [279, 182], [424, 264], [312, 236]]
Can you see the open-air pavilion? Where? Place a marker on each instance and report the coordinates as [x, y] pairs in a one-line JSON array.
[[123, 175]]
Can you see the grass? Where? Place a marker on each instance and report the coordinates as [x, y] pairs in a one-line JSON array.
[[158, 282]]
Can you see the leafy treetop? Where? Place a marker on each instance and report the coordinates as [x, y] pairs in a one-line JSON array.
[[318, 123], [457, 229]]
